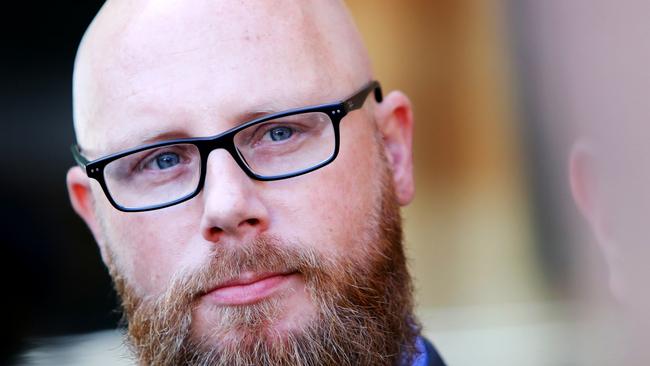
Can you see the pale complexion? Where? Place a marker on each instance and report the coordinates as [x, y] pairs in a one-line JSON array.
[[154, 70], [609, 172]]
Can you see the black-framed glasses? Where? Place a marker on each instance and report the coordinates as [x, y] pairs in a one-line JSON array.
[[276, 146]]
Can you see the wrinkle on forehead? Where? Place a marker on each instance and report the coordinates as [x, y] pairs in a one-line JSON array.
[[190, 53]]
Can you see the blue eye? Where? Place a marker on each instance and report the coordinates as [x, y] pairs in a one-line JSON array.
[[167, 160], [280, 133]]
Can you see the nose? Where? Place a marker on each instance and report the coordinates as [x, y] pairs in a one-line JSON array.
[[232, 206]]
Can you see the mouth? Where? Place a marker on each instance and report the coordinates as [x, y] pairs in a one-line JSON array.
[[250, 288]]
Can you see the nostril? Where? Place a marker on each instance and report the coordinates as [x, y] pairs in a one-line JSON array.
[[247, 227], [252, 222], [215, 231]]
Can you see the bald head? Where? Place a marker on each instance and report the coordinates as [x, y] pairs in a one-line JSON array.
[[147, 68]]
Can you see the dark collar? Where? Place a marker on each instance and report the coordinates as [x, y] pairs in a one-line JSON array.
[[428, 355]]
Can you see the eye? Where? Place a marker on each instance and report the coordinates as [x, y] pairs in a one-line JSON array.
[[166, 160], [280, 133]]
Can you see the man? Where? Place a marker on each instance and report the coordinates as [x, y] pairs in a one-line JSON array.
[[242, 175], [598, 54]]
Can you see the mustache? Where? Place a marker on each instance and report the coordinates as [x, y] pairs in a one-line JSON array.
[[264, 254]]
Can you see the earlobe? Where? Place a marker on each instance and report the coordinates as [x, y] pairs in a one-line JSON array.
[[395, 122], [81, 197]]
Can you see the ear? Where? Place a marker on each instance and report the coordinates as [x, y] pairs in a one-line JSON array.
[[80, 195], [584, 186], [586, 182], [394, 117]]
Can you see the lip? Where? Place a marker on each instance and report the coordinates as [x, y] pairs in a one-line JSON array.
[[249, 288]]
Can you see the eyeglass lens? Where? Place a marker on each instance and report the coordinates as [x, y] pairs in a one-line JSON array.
[[275, 147]]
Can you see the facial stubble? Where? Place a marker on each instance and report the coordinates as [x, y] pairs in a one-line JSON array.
[[363, 303]]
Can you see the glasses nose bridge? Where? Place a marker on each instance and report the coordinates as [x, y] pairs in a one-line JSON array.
[[225, 142]]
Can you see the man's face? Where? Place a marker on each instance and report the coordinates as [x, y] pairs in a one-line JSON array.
[[279, 259], [608, 85]]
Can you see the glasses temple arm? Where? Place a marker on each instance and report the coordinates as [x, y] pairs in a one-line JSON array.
[[357, 100], [79, 159]]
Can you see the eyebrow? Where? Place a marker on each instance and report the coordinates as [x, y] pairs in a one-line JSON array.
[[159, 136], [239, 119], [162, 136]]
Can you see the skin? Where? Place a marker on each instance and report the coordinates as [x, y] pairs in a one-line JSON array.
[[609, 180], [608, 168], [608, 171], [155, 70]]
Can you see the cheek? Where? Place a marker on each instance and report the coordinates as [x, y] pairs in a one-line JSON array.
[[330, 206], [151, 246]]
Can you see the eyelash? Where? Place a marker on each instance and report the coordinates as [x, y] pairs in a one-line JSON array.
[[268, 127], [142, 163]]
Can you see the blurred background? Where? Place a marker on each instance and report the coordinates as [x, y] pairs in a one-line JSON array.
[[493, 230], [491, 233]]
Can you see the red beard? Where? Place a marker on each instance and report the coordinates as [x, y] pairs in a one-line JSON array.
[[363, 302]]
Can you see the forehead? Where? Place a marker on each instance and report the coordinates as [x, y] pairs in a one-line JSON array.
[[156, 67]]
